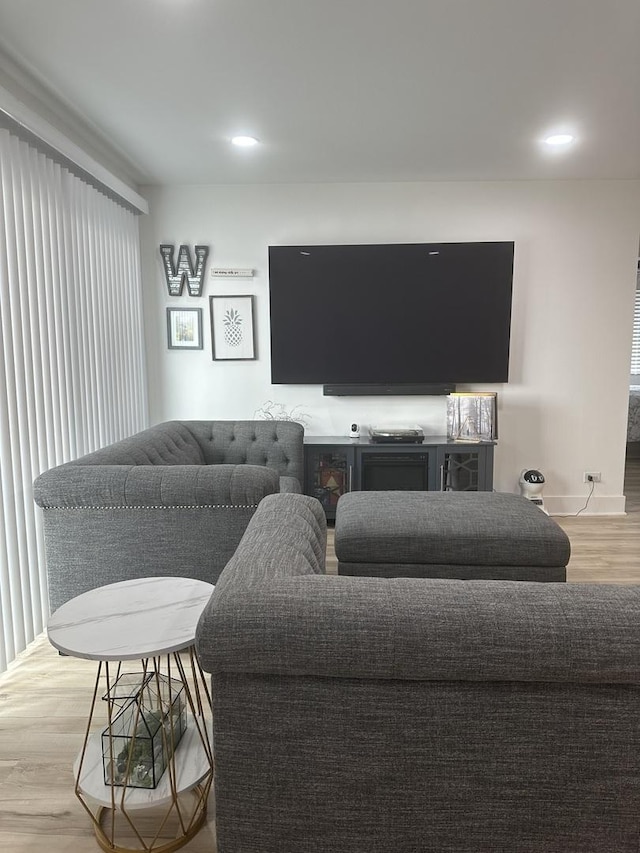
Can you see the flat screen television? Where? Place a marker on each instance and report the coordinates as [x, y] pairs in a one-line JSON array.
[[394, 313]]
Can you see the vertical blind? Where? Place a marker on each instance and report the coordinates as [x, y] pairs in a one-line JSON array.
[[72, 375]]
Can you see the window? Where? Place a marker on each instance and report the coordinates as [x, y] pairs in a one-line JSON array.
[[72, 371]]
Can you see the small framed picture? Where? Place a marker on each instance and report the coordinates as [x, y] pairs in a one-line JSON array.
[[184, 328], [232, 330]]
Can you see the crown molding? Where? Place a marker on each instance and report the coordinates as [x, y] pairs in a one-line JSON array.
[[24, 117]]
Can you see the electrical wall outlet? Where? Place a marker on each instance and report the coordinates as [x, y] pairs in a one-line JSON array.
[[592, 477]]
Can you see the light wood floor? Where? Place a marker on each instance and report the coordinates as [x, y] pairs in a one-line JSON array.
[[44, 700], [607, 550]]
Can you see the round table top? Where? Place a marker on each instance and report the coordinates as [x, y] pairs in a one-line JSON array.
[[134, 619]]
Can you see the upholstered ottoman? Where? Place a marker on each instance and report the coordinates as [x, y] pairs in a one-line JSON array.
[[464, 535]]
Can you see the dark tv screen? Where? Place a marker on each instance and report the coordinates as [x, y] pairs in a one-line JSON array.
[[394, 313]]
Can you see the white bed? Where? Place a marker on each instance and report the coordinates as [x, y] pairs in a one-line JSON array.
[[633, 427]]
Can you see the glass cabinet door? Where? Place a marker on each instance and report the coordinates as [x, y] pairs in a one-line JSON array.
[[466, 469], [328, 474], [460, 471]]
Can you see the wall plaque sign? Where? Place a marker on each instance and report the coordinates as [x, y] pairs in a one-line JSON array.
[[184, 271], [231, 272]]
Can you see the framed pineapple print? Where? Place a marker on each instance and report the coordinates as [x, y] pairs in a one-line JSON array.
[[232, 331]]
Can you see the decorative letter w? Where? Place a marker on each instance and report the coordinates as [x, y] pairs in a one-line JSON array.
[[184, 270]]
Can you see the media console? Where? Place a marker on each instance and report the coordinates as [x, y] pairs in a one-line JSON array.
[[334, 465]]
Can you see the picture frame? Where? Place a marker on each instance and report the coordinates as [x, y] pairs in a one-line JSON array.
[[232, 328], [184, 328]]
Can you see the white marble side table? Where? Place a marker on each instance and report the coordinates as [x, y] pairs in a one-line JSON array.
[[151, 621]]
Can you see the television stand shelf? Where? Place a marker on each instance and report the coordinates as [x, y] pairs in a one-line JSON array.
[[334, 465]]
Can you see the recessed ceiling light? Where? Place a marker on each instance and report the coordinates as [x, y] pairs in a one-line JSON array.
[[244, 141], [559, 139]]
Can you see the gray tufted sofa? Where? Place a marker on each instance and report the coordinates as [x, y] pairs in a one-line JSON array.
[[174, 499], [369, 715]]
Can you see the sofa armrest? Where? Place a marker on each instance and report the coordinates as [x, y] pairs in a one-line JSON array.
[[437, 630], [154, 485], [290, 486]]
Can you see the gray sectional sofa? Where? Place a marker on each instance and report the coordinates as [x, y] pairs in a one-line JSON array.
[[368, 715], [174, 499]]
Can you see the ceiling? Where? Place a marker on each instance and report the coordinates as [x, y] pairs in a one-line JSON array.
[[343, 90]]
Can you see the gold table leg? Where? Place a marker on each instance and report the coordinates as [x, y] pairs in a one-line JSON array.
[[110, 805]]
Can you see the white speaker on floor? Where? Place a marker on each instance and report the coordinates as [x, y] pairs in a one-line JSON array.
[[531, 486]]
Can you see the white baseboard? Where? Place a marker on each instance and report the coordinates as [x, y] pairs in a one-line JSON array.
[[574, 504]]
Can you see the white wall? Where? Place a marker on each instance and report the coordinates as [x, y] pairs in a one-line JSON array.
[[564, 409]]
